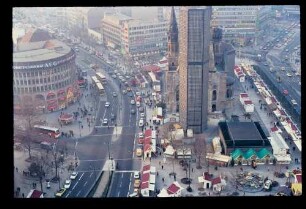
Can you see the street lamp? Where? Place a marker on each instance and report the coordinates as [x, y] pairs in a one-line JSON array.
[[80, 127], [189, 189]]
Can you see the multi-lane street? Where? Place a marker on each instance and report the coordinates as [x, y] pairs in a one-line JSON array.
[[114, 140]]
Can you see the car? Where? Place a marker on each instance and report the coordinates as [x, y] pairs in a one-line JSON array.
[[134, 195], [73, 175], [124, 92], [48, 184], [137, 183], [129, 89], [289, 74], [105, 121], [114, 76], [113, 116], [294, 102], [67, 184], [142, 115], [130, 94], [136, 175], [114, 94], [133, 111], [267, 185], [132, 102], [107, 104], [138, 152], [140, 135], [138, 93], [141, 123], [138, 104], [141, 109], [60, 192]]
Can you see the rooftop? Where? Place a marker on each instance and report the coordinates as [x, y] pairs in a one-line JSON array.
[[243, 134], [249, 131], [40, 51]]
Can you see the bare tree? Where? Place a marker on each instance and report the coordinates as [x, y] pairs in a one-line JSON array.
[[29, 119], [200, 148]]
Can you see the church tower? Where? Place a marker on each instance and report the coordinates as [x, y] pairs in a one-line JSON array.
[[172, 71]]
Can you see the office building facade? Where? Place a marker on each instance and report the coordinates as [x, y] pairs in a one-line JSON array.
[[194, 42]]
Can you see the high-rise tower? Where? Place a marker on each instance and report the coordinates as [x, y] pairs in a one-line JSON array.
[[172, 72], [194, 42]]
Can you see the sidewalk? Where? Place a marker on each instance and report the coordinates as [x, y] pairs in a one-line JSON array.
[[81, 126], [25, 183]]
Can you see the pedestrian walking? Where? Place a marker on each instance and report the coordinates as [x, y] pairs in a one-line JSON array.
[[22, 195], [157, 173], [191, 169], [163, 179], [16, 169], [162, 167]]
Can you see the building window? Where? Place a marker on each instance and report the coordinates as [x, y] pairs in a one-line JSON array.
[[214, 95], [229, 93], [21, 82], [213, 108]]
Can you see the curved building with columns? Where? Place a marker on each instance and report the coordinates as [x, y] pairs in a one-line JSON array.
[[44, 73]]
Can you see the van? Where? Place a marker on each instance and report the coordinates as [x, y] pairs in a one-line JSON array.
[[140, 122]]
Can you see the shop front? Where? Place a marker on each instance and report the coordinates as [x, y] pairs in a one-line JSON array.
[[52, 105], [70, 95], [62, 102]]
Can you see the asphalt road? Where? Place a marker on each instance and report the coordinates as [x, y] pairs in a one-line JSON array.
[[92, 150]]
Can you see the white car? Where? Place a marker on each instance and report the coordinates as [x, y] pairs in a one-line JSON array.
[[67, 184], [132, 101], [289, 74], [138, 93], [142, 115], [73, 175], [140, 135], [107, 104], [105, 121], [138, 104], [267, 184], [114, 94], [136, 175]]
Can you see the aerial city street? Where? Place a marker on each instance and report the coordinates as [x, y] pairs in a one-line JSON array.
[[175, 101]]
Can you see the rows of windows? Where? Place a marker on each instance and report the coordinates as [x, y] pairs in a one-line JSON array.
[[56, 86], [41, 72], [235, 8], [148, 27], [39, 80], [235, 13], [148, 31]]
